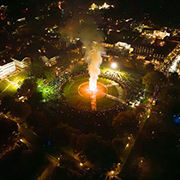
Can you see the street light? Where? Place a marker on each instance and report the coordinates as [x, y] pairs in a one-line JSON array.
[[127, 145], [114, 65], [81, 164]]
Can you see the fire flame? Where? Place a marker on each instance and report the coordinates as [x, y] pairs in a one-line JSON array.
[[94, 60], [92, 84]]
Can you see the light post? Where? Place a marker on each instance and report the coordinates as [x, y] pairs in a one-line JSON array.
[[114, 65]]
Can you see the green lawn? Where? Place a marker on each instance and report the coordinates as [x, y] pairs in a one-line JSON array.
[[70, 92], [7, 88]]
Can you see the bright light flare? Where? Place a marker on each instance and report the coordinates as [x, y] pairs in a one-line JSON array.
[[81, 164], [92, 85], [127, 145], [174, 65], [84, 91], [114, 65], [59, 5]]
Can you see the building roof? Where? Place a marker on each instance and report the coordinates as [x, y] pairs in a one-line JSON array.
[[151, 29], [163, 47], [124, 35], [142, 41]]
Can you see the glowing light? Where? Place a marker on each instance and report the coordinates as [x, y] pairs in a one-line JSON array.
[[174, 66], [92, 84], [81, 164], [121, 45], [177, 119], [7, 68], [114, 65], [104, 6], [85, 92], [127, 20], [160, 34], [59, 5], [11, 82], [127, 145], [93, 7], [94, 94]]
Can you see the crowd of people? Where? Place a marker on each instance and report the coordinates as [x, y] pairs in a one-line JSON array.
[[118, 107], [124, 82]]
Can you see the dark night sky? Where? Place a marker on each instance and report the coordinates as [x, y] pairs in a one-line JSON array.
[[163, 12]]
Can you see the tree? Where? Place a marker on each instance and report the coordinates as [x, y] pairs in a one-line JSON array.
[[150, 67], [37, 69], [7, 126], [5, 103], [28, 87], [42, 121], [153, 78], [35, 99], [64, 135], [97, 151], [118, 145], [125, 121], [174, 78], [20, 109]]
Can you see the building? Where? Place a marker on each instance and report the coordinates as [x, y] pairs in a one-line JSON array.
[[23, 62], [156, 49], [21, 57], [155, 33], [161, 52], [7, 66], [49, 55], [49, 61], [124, 35], [120, 40]]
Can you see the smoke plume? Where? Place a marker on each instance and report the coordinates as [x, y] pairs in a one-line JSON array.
[[94, 60], [91, 39]]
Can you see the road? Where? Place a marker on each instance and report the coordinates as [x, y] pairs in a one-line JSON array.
[[48, 171], [29, 138], [130, 146]]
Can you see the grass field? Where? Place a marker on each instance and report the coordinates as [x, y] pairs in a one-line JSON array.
[[70, 92], [10, 85]]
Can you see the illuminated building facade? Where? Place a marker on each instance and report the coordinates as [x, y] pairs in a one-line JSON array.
[[25, 62], [154, 33], [162, 53], [49, 61], [49, 55], [6, 67]]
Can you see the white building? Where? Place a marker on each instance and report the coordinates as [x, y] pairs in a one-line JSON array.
[[49, 61], [25, 62], [122, 45], [6, 67]]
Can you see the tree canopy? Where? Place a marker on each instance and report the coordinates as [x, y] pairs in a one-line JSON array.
[[7, 126], [153, 78]]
